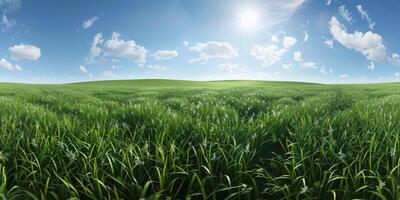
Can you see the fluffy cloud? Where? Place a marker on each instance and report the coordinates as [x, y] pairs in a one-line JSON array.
[[185, 43], [116, 48], [343, 76], [297, 56], [371, 66], [288, 42], [369, 44], [329, 43], [88, 23], [9, 66], [213, 49], [395, 59], [364, 14], [83, 69], [309, 65], [269, 54], [23, 51], [346, 14], [165, 54]]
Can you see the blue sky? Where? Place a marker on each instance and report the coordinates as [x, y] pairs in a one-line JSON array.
[[329, 41]]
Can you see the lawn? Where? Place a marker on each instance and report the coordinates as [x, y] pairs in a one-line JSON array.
[[166, 139]]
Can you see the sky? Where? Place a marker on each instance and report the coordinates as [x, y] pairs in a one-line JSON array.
[[325, 41]]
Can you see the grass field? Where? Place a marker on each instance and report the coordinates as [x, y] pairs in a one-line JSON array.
[[160, 139]]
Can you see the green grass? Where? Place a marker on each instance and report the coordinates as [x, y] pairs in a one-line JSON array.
[[163, 139]]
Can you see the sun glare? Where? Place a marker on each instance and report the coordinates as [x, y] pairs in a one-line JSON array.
[[248, 20]]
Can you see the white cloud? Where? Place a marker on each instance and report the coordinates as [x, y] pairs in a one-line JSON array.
[[83, 69], [9, 66], [369, 44], [23, 51], [116, 48], [395, 59], [397, 74], [274, 39], [289, 41], [364, 14], [7, 23], [227, 67], [269, 54], [322, 70], [95, 50], [88, 23], [346, 14], [344, 76], [297, 56], [329, 43], [309, 65], [213, 49], [8, 6], [165, 54], [185, 43], [371, 66], [328, 2], [306, 36]]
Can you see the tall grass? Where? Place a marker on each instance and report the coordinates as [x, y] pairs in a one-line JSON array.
[[336, 142]]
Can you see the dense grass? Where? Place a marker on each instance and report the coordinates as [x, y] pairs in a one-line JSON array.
[[199, 140]]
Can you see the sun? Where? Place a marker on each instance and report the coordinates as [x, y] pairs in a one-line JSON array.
[[248, 19]]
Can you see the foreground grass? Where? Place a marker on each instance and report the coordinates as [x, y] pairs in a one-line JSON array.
[[194, 140]]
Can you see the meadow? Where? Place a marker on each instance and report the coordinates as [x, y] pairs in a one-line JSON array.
[[165, 139]]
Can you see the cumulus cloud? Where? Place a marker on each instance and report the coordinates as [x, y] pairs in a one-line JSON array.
[[213, 49], [297, 56], [269, 54], [95, 49], [343, 76], [165, 54], [395, 59], [369, 44], [364, 14], [371, 66], [346, 14], [328, 2], [9, 66], [116, 48], [185, 43], [329, 43], [289, 41], [83, 69], [88, 23], [23, 51]]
